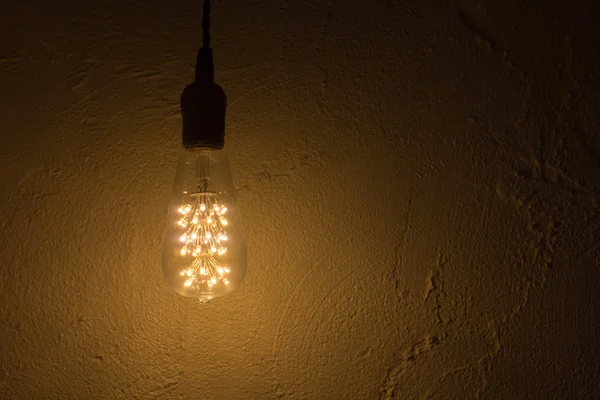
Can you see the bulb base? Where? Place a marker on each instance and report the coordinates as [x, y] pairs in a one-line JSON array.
[[203, 105]]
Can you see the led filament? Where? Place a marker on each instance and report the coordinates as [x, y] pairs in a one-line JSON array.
[[204, 238]]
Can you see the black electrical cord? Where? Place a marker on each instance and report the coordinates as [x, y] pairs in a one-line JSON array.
[[204, 63], [206, 24]]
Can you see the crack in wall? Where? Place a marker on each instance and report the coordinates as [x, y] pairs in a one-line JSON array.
[[433, 297], [435, 289], [410, 356], [528, 195]]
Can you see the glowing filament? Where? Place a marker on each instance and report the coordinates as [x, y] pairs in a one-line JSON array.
[[203, 239]]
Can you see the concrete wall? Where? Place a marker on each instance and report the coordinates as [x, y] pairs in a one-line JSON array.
[[419, 185]]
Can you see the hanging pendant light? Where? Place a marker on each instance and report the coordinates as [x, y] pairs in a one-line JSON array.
[[203, 252]]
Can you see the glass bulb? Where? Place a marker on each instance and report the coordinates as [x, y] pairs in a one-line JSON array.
[[203, 254]]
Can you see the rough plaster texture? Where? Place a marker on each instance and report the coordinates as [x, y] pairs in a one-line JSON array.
[[419, 185]]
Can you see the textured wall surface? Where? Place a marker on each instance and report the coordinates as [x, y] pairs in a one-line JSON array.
[[419, 184]]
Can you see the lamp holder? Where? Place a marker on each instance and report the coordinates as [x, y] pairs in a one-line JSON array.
[[203, 102]]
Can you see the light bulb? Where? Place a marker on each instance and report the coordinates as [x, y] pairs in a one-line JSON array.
[[204, 253]]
